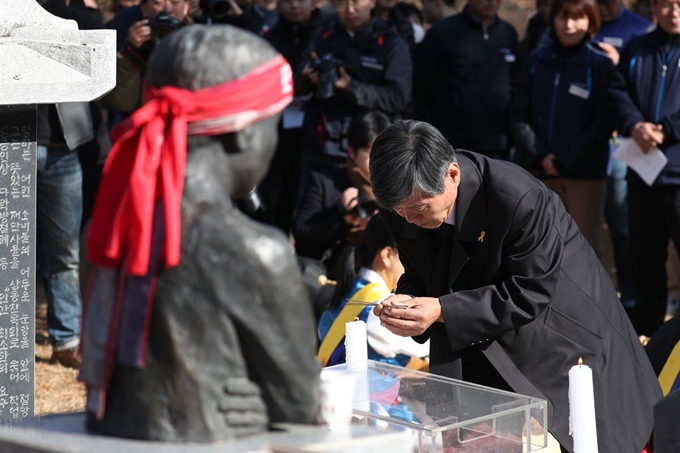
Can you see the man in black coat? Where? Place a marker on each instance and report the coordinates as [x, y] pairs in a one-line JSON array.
[[508, 290], [462, 78]]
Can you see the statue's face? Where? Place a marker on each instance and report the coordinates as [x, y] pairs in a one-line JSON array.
[[250, 166]]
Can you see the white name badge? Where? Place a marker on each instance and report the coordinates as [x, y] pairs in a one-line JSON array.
[[614, 41], [509, 57], [293, 115], [579, 91], [371, 63]]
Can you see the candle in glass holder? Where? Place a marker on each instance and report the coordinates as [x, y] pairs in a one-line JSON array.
[[356, 345], [582, 425]]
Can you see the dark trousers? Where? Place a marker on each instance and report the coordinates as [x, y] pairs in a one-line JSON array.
[[654, 218]]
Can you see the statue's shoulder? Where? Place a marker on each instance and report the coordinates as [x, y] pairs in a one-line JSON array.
[[228, 232], [225, 247]]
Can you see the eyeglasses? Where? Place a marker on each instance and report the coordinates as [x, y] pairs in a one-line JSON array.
[[668, 6]]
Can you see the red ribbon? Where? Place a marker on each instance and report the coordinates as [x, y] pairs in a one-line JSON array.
[[147, 161]]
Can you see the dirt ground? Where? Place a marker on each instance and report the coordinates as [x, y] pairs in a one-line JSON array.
[[57, 390]]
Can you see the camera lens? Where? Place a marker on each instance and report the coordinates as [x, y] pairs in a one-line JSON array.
[[220, 10], [161, 32]]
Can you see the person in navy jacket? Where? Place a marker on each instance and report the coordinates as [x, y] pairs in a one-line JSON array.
[[646, 95], [373, 72], [619, 26], [561, 126], [464, 73]]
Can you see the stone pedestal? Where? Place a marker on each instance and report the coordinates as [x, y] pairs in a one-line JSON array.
[[17, 259], [66, 434], [43, 60]]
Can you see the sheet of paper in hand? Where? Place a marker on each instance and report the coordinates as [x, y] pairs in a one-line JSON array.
[[647, 166]]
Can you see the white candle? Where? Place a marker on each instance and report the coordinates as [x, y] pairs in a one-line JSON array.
[[582, 409], [356, 345]]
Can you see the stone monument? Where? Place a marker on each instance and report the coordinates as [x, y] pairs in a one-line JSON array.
[[43, 60]]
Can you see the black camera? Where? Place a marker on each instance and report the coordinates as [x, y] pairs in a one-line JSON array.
[[161, 26], [327, 68], [219, 11], [365, 207]]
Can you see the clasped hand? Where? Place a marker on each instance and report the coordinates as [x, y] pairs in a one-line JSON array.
[[647, 135], [408, 316]]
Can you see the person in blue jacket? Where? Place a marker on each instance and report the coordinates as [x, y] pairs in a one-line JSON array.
[[646, 96], [619, 26], [561, 126]]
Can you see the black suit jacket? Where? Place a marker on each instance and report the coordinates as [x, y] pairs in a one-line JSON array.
[[523, 285]]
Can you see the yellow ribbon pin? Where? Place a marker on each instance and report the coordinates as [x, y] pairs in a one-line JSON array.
[[481, 236]]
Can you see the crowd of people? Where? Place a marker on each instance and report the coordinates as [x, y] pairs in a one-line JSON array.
[[587, 74]]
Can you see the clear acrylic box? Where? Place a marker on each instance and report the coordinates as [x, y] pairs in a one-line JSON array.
[[445, 415]]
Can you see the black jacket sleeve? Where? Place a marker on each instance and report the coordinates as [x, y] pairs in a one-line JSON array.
[[87, 18], [394, 93], [529, 148], [318, 223], [523, 135], [410, 283], [625, 112], [303, 85], [671, 128]]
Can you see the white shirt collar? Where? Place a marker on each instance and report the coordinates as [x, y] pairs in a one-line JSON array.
[[370, 276], [451, 219]]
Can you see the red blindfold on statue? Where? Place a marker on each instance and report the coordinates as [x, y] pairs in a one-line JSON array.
[[147, 161]]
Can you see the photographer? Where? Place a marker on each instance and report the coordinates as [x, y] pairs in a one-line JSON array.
[[244, 14], [339, 202], [156, 19], [355, 63]]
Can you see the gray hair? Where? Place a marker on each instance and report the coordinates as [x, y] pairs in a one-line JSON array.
[[408, 158]]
